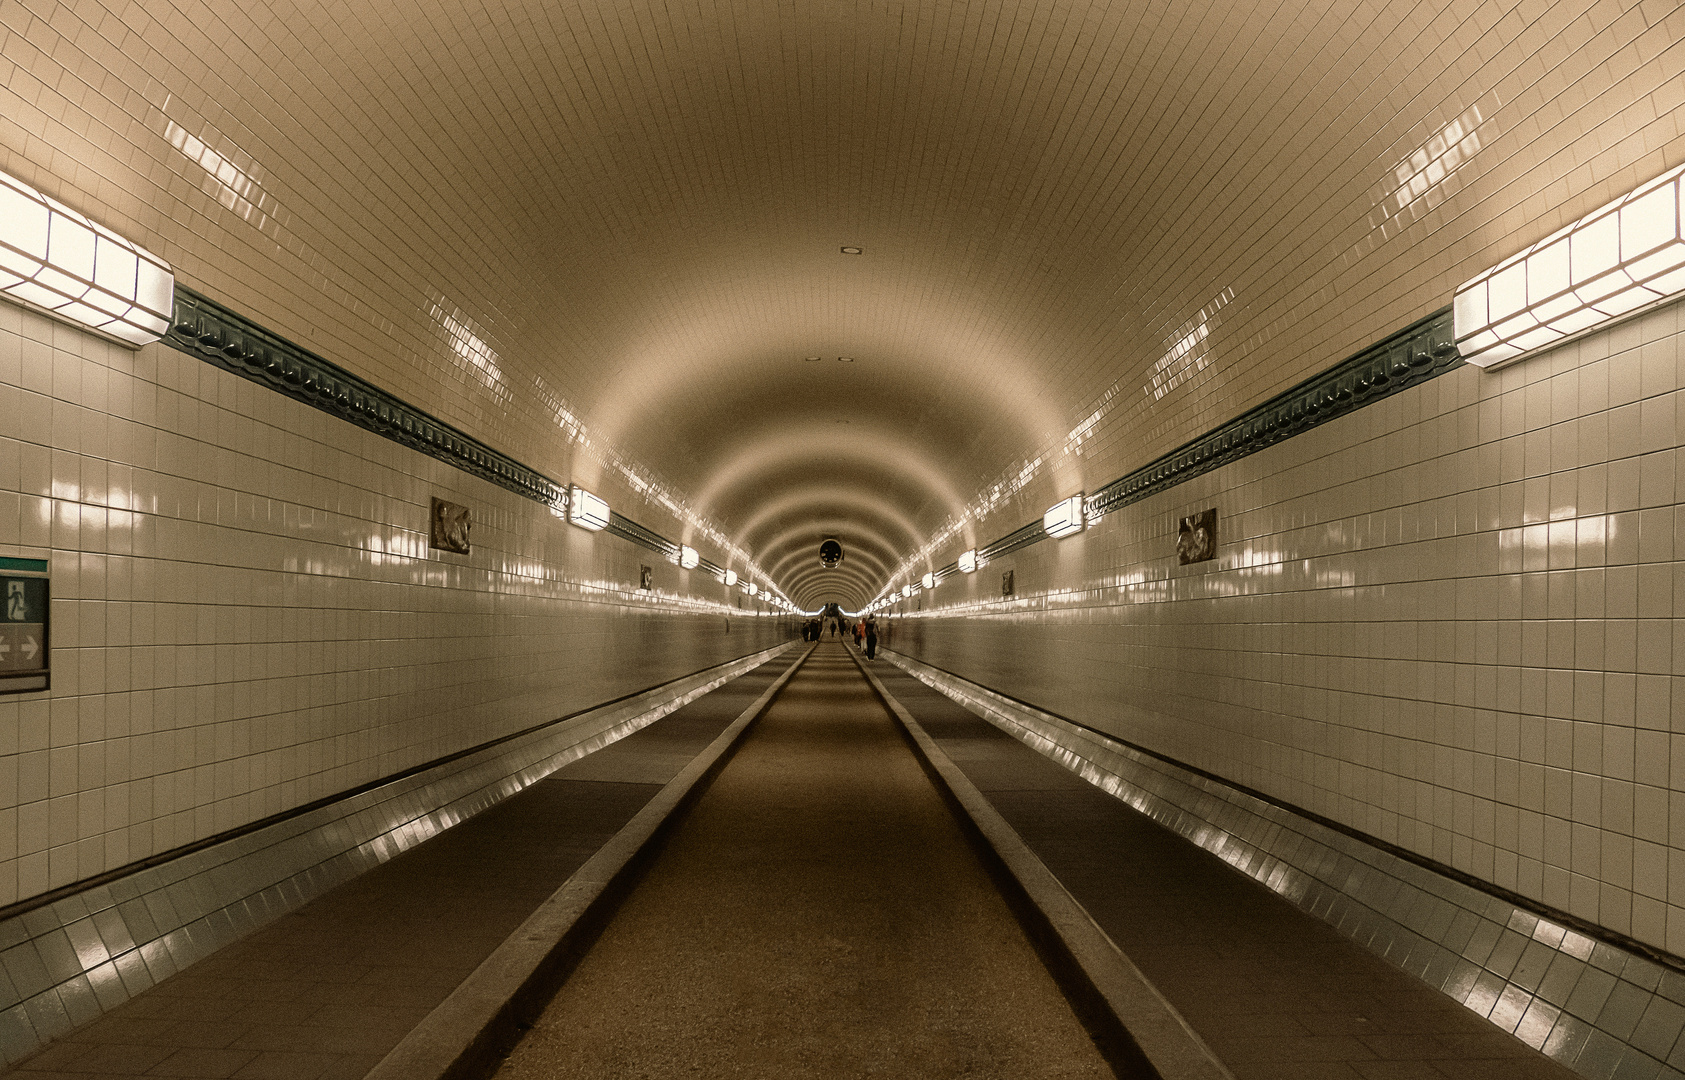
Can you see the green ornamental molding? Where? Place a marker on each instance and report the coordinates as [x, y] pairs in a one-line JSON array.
[[1410, 357], [203, 328], [1421, 351]]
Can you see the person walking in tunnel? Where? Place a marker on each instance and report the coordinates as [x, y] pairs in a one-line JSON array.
[[871, 639]]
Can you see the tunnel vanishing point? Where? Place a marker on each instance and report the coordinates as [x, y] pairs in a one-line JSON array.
[[1266, 417]]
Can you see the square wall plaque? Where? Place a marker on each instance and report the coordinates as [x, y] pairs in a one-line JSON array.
[[1196, 539], [450, 527]]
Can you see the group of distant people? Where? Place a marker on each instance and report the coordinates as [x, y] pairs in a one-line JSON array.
[[865, 632]]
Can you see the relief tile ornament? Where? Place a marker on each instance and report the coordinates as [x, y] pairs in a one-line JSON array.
[[450, 527], [1196, 538]]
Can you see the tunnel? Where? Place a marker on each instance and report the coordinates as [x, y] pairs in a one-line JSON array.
[[951, 538]]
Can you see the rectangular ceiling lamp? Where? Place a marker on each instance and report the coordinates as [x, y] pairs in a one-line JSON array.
[[54, 259], [1063, 518], [968, 561], [688, 557], [1622, 258], [586, 510]]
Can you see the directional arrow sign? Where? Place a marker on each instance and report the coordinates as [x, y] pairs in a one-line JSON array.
[[25, 602]]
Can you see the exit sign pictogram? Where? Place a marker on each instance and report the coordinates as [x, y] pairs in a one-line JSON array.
[[23, 626]]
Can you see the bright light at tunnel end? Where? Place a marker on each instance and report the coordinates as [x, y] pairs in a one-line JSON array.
[[1617, 260], [1063, 518], [56, 260], [587, 510]]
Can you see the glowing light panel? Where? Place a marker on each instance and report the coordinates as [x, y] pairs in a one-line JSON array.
[[587, 510], [730, 578], [688, 557], [930, 581], [55, 259], [968, 561], [1620, 258], [1063, 518]]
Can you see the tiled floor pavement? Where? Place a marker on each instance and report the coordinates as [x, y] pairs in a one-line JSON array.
[[1278, 994], [325, 992]]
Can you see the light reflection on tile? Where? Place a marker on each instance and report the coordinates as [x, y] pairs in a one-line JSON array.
[[1577, 1000]]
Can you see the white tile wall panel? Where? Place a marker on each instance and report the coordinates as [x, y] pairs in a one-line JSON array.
[[247, 616], [1597, 1007], [66, 962], [1447, 620]]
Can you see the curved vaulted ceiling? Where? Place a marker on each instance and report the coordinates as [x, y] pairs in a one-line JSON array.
[[1088, 231]]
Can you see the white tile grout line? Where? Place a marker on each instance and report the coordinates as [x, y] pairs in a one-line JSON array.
[[468, 1031], [1164, 1037]]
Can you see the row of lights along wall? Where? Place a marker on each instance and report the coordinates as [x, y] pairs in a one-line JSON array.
[[1618, 261], [60, 262]]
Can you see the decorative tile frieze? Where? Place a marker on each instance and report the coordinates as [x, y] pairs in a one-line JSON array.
[[627, 529], [1408, 358], [1412, 356], [204, 328]]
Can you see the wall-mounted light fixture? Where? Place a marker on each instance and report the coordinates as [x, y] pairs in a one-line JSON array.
[[1064, 517], [730, 578], [587, 510], [968, 561], [930, 581], [751, 588], [54, 259], [1615, 261], [688, 557]]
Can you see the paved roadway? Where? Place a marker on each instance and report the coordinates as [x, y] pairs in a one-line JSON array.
[[818, 914]]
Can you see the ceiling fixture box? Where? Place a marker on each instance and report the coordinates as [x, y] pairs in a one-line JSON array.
[[1616, 261], [58, 261], [587, 510], [689, 558], [968, 561], [1063, 518]]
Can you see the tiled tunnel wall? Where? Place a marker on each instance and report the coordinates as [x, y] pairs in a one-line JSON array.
[[1448, 620], [247, 617]]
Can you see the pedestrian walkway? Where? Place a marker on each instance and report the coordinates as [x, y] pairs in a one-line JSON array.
[[817, 915], [1276, 993], [325, 992]]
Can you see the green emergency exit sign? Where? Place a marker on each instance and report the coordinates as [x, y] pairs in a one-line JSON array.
[[23, 625]]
